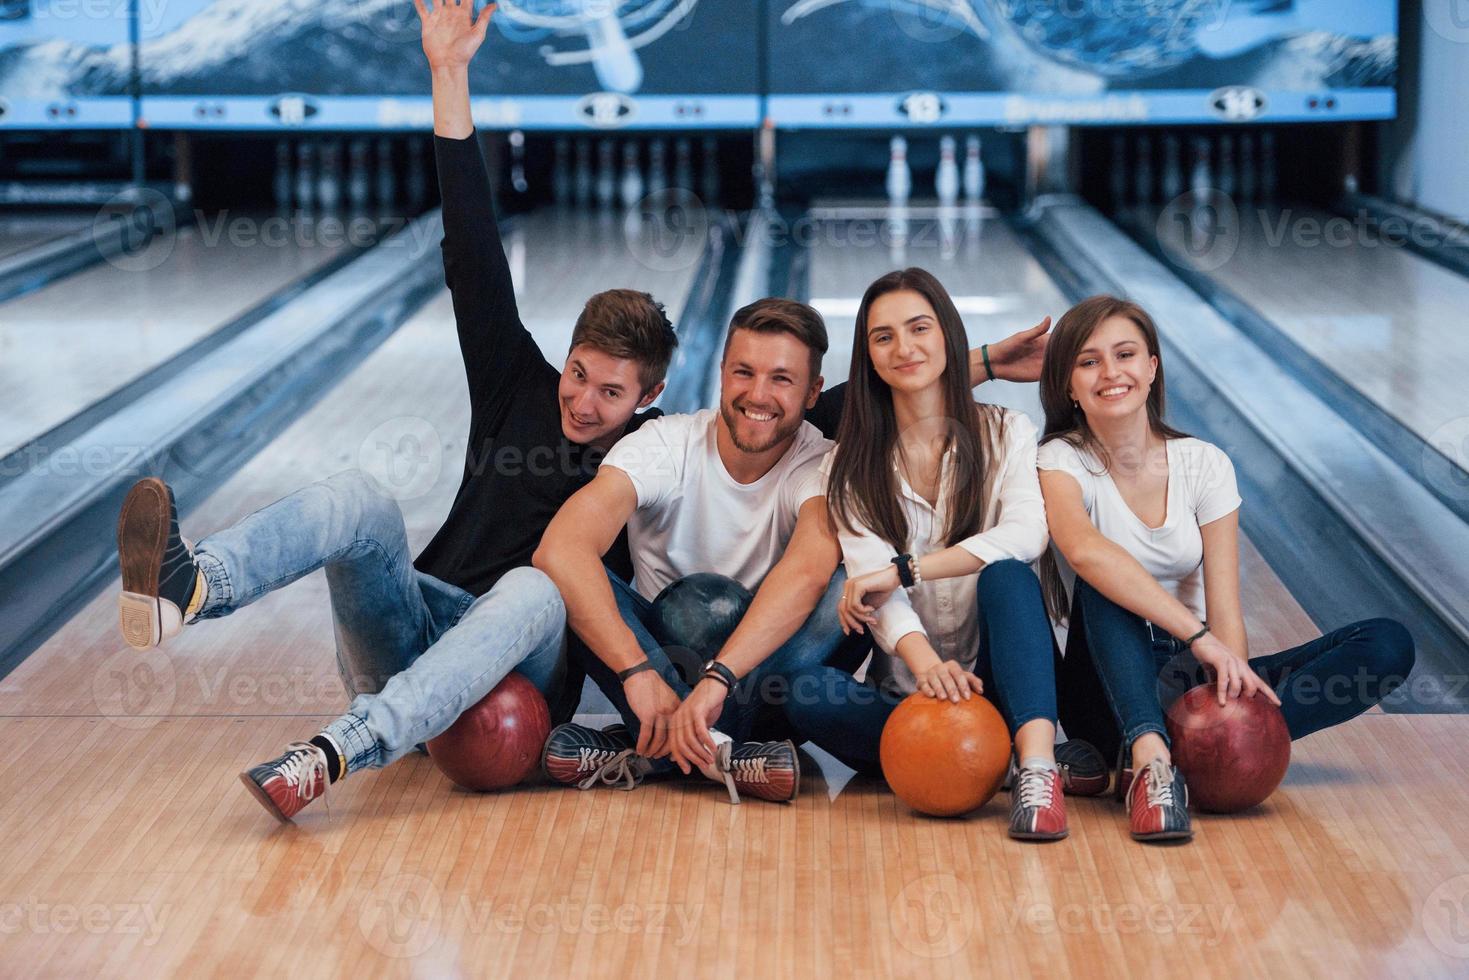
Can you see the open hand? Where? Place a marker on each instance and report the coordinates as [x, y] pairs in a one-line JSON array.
[[1232, 675], [451, 32], [862, 595], [689, 743], [1019, 356], [654, 702]]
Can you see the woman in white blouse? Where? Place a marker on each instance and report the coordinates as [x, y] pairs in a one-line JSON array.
[[1149, 520], [938, 509]]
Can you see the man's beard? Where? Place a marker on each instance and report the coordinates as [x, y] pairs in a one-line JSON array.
[[779, 435]]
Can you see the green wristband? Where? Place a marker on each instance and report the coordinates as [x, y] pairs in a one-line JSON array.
[[984, 352]]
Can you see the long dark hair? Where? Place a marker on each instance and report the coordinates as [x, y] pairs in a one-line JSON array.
[[864, 485], [1064, 418]]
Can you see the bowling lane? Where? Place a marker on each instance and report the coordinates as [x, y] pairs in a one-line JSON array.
[[19, 232], [276, 657], [88, 334], [997, 285], [1384, 319]]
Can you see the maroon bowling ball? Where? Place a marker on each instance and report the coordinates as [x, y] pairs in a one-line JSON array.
[[498, 742], [1232, 756]]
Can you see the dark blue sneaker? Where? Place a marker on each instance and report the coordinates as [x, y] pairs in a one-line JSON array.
[[583, 757], [158, 571]]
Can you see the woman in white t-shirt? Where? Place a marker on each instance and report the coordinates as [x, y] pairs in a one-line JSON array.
[[1148, 518], [937, 505]]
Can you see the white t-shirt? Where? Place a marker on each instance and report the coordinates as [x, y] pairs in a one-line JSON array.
[[947, 610], [1201, 489], [693, 517]]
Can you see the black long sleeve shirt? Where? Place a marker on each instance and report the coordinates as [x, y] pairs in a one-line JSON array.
[[519, 468]]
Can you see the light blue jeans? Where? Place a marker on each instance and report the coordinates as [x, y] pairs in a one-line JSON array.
[[414, 652]]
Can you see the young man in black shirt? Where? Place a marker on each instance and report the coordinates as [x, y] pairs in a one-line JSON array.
[[420, 641]]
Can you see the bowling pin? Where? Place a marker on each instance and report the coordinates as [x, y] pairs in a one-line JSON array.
[[900, 176], [358, 188], [1143, 173], [561, 173], [282, 184], [1172, 168], [1119, 171], [683, 164], [606, 173], [711, 171], [946, 179], [630, 189], [1247, 170], [657, 166], [328, 176], [387, 176], [1198, 181], [305, 175], [583, 180], [518, 183], [1227, 184], [973, 170], [1269, 179], [417, 182]]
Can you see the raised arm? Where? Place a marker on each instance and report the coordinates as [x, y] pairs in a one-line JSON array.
[[781, 605], [570, 553], [491, 336]]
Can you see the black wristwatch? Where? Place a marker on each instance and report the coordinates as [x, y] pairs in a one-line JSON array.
[[905, 570], [623, 675]]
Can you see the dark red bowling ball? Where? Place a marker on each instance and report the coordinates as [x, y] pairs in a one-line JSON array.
[[498, 742], [1232, 755]]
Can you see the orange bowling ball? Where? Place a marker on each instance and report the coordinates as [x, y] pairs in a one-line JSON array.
[[943, 758]]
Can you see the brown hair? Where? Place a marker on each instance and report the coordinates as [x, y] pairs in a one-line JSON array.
[[631, 325], [1066, 421], [774, 315], [864, 484]]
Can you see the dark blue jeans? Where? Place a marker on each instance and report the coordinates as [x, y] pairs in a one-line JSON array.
[[819, 641], [1017, 653], [1120, 673]]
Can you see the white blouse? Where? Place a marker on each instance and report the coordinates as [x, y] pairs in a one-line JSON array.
[[947, 610]]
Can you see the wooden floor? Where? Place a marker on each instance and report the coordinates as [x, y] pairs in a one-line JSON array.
[[130, 849]]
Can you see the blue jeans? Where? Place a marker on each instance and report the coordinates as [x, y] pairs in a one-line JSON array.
[[1017, 653], [1120, 673], [413, 651], [818, 641]]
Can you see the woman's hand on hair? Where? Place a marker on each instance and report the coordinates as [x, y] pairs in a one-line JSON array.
[[1233, 676], [1019, 356], [862, 595], [947, 679]]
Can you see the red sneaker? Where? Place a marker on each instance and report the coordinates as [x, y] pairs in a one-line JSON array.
[[1158, 804], [285, 785], [1037, 805]]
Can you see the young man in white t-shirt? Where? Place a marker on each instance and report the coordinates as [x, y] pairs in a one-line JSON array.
[[737, 492]]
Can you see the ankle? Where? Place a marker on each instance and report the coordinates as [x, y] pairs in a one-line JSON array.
[[1146, 749]]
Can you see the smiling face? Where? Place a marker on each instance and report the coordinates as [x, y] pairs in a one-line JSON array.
[[1113, 372], [905, 341], [598, 394], [765, 388]]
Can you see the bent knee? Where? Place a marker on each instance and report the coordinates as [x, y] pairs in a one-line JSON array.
[[1393, 650], [532, 586]]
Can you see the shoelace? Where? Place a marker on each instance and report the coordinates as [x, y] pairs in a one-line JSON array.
[[1036, 788], [303, 765], [1159, 784], [621, 768], [589, 759], [749, 770]]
